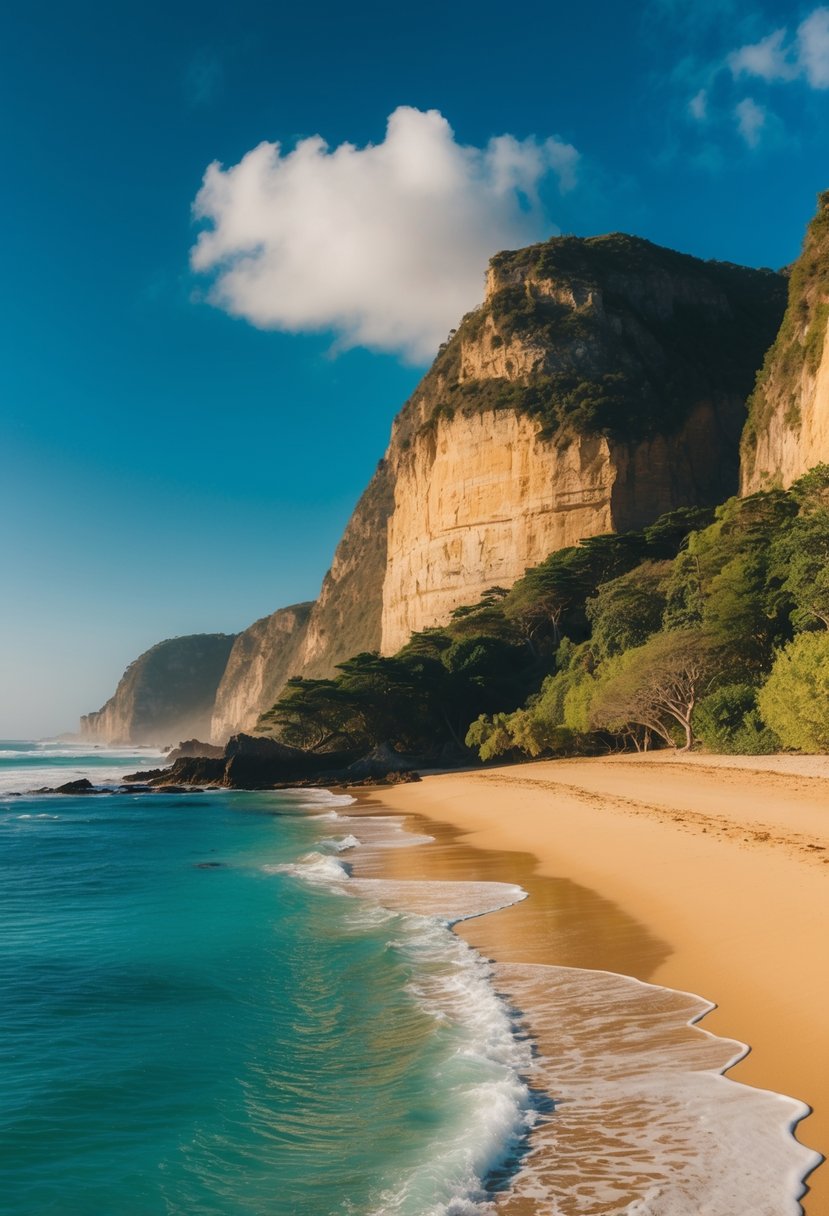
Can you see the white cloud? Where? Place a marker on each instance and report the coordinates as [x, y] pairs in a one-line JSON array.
[[385, 245], [698, 105], [751, 119], [813, 48], [769, 59], [774, 59]]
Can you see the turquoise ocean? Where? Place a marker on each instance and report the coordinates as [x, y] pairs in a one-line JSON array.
[[202, 1014]]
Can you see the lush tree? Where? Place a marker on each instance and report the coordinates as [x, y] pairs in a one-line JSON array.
[[315, 715], [491, 737], [728, 720], [549, 601], [800, 554], [485, 617], [794, 701], [626, 610], [725, 582], [667, 535], [657, 686]]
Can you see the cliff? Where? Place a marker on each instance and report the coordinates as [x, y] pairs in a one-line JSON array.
[[787, 432], [262, 659], [601, 383], [165, 695]]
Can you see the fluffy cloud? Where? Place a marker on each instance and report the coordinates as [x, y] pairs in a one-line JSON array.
[[769, 59], [751, 119], [813, 48], [385, 245], [775, 58]]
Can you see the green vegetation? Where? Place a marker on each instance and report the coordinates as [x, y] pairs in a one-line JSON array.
[[728, 720], [627, 337], [795, 698], [707, 627]]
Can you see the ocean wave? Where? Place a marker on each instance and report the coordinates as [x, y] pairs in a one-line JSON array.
[[340, 844], [645, 1121], [483, 1082], [384, 831], [316, 797], [317, 868]]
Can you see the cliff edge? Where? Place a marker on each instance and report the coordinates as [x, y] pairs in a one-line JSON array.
[[787, 432], [263, 657], [165, 695]]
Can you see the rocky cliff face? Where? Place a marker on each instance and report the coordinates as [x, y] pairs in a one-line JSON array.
[[787, 432], [262, 659], [165, 695], [601, 383]]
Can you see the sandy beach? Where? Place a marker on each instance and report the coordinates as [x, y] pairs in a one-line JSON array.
[[704, 874]]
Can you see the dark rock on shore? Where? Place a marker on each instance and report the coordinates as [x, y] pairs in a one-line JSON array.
[[74, 787], [190, 748], [252, 762], [382, 762], [143, 777]]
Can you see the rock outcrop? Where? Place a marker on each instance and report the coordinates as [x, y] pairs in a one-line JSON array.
[[601, 383], [165, 695], [787, 432], [262, 659]]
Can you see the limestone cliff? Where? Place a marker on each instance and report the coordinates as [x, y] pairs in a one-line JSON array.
[[263, 657], [787, 432], [601, 383], [165, 695]]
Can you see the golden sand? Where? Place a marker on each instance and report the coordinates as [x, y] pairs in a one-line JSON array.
[[704, 874]]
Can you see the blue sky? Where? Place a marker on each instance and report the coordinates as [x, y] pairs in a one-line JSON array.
[[184, 435]]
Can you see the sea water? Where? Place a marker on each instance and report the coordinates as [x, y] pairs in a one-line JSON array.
[[202, 1013], [196, 1020]]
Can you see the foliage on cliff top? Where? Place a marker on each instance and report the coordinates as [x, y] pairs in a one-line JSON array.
[[799, 343], [627, 336]]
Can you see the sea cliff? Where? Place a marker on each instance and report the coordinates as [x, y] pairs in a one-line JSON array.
[[165, 695], [263, 657], [601, 383], [787, 432]]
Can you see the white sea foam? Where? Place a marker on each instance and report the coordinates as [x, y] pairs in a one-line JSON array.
[[447, 902], [384, 831], [452, 983], [340, 844], [484, 1082], [312, 798], [30, 768], [318, 868], [645, 1122]]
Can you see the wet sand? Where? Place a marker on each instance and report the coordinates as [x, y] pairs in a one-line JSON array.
[[707, 875]]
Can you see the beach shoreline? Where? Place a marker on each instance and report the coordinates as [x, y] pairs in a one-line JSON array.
[[700, 874]]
